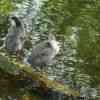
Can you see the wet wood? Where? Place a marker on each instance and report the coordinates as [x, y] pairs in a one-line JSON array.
[[40, 81]]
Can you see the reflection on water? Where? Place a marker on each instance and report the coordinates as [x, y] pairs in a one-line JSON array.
[[67, 69]]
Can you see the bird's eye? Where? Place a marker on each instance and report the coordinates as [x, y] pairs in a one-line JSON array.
[[48, 44], [21, 38]]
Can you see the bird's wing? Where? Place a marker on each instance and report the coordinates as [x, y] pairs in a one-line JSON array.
[[41, 50]]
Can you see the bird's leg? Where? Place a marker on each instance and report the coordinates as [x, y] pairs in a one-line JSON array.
[[37, 69], [41, 68], [44, 69], [20, 54]]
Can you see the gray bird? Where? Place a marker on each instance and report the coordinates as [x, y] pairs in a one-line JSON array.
[[44, 53], [16, 36]]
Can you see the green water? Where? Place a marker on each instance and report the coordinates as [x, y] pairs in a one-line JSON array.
[[76, 24]]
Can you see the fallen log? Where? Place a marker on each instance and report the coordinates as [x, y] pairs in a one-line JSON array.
[[45, 87]]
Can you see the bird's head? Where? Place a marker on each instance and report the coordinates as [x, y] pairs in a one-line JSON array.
[[15, 21]]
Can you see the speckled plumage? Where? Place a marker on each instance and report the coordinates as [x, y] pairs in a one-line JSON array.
[[16, 36], [43, 53]]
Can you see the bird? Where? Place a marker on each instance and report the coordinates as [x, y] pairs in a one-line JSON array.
[[43, 54], [16, 36]]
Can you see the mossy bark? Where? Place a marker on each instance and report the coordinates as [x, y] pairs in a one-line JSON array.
[[17, 78]]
